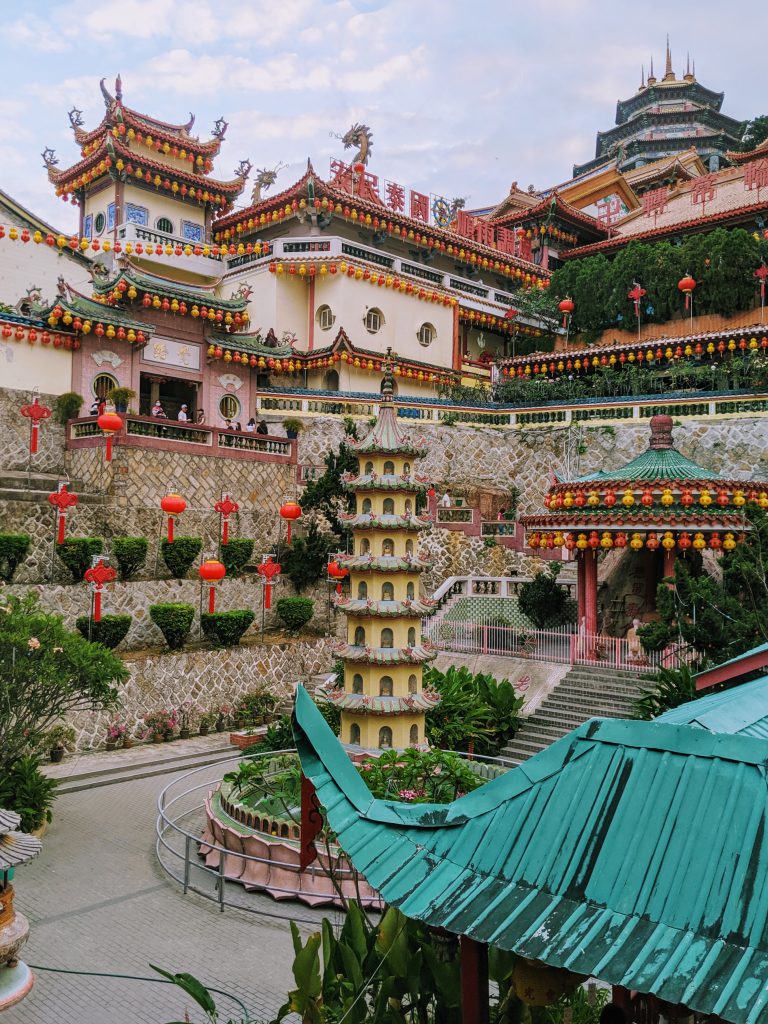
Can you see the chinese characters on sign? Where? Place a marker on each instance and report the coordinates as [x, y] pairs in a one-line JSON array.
[[172, 353], [609, 210], [654, 202]]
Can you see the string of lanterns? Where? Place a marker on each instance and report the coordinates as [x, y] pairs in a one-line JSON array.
[[21, 332], [183, 307], [307, 269], [500, 323], [648, 497], [652, 540]]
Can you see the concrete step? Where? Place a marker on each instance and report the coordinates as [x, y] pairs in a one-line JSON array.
[[592, 696]]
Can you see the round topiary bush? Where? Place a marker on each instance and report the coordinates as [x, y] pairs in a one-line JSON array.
[[13, 551], [226, 628], [109, 631], [235, 555], [130, 554], [180, 555], [77, 554], [174, 620], [295, 611]]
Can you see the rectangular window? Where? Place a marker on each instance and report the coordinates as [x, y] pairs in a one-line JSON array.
[[110, 216], [88, 226], [136, 214], [192, 232]]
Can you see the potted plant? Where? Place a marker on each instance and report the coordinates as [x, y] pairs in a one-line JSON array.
[[57, 739], [115, 733], [292, 428], [120, 397], [222, 713], [186, 714], [160, 724], [206, 720], [66, 407], [255, 707]]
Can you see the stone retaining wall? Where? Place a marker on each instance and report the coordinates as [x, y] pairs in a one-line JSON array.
[[14, 435]]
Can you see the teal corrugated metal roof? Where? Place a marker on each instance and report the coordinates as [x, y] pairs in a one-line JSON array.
[[657, 464], [741, 711], [635, 852], [760, 649]]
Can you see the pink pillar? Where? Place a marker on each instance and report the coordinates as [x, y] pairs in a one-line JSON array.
[[580, 580], [590, 591]]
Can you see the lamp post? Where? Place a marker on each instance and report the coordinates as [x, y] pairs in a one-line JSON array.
[[290, 511], [226, 507], [109, 423], [211, 571], [173, 505], [99, 574]]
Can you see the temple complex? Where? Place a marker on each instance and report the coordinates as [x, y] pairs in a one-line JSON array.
[[383, 700]]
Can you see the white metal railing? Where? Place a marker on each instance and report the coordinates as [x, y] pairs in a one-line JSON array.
[[483, 586], [620, 653]]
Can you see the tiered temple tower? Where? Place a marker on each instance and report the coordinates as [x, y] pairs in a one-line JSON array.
[[383, 701]]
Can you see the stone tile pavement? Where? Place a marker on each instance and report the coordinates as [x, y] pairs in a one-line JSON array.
[[98, 901]]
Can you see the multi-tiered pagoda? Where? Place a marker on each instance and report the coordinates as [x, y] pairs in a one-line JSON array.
[[383, 700]]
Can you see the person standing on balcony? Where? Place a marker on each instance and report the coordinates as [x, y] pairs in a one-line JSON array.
[[446, 501], [262, 427], [201, 415], [250, 426], [183, 416], [158, 410]]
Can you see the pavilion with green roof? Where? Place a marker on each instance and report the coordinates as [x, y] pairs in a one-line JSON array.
[[660, 502]]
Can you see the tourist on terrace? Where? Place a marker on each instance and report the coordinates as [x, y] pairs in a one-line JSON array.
[[250, 426], [446, 501], [238, 427], [183, 416], [501, 518], [201, 416], [95, 408], [262, 427], [158, 410]]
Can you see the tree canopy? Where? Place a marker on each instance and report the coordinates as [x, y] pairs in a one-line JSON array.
[[755, 132]]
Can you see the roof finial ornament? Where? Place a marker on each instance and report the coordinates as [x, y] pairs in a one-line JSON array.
[[388, 386], [669, 74], [119, 88], [49, 158], [661, 432], [642, 76], [651, 76], [243, 169], [359, 135], [75, 118], [220, 128], [265, 179], [108, 99]]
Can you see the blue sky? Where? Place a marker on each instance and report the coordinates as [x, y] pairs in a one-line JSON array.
[[462, 98]]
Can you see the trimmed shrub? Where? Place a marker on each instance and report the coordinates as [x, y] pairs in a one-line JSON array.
[[180, 555], [226, 628], [66, 406], [174, 620], [77, 554], [109, 631], [256, 706], [130, 554], [235, 554], [24, 789], [295, 611], [13, 550]]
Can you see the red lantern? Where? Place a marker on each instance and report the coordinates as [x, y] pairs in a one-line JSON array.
[[336, 573], [173, 505], [35, 413], [566, 307], [97, 576], [269, 571], [211, 571], [290, 511], [109, 423], [620, 540], [594, 540], [61, 499], [652, 541], [686, 285], [226, 507], [715, 542], [684, 541]]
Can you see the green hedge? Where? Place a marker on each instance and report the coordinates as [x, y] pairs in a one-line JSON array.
[[130, 554], [295, 611], [180, 555], [109, 631], [226, 628], [174, 620], [77, 554], [66, 406], [235, 554], [13, 551]]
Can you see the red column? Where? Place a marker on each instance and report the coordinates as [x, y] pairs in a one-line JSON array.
[[580, 581], [474, 981], [590, 591], [669, 565]]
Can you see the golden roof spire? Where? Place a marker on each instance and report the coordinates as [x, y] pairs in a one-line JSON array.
[[651, 76], [669, 74]]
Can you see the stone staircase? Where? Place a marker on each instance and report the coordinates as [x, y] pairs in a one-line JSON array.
[[35, 487], [584, 692]]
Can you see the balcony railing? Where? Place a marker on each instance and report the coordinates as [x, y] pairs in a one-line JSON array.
[[150, 240], [455, 514], [198, 439]]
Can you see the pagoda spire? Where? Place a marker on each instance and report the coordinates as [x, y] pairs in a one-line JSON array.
[[669, 74], [642, 76], [651, 76]]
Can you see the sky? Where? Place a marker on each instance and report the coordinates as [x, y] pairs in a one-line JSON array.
[[462, 98]]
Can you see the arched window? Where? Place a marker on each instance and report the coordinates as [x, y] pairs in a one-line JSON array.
[[357, 683], [368, 468], [385, 737], [103, 384], [389, 468], [408, 506], [426, 334], [366, 506], [412, 636], [284, 832], [359, 637], [406, 468], [410, 591], [374, 320], [385, 686], [414, 735], [387, 637], [365, 546], [325, 318], [354, 734], [362, 590], [164, 224], [331, 380], [412, 683], [409, 547], [389, 506], [387, 592], [388, 548]]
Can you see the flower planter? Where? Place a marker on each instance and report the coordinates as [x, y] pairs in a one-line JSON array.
[[219, 726], [184, 734], [168, 736], [158, 737], [247, 737], [205, 729], [111, 744], [127, 742], [57, 754]]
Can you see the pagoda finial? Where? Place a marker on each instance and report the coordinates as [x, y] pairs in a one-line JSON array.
[[119, 88], [642, 76], [669, 74], [651, 76], [108, 99], [661, 432], [220, 128], [388, 386]]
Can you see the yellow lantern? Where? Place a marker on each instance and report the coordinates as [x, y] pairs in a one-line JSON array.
[[559, 540], [738, 498], [705, 499], [636, 541], [593, 498], [729, 542], [667, 498], [668, 541], [540, 985], [568, 499], [606, 541], [698, 542], [628, 498], [581, 542]]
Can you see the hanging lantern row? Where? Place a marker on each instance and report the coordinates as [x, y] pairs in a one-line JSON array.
[[307, 269], [652, 540], [33, 334], [650, 356], [500, 323], [552, 231], [83, 244], [159, 143], [181, 307], [85, 326], [649, 497], [395, 230]]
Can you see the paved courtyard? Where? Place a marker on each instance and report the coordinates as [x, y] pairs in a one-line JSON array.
[[98, 901]]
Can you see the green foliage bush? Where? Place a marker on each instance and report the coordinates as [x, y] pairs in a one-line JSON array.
[[24, 789], [543, 600], [305, 561], [671, 687], [130, 554], [174, 620], [295, 611], [235, 554], [180, 555], [77, 554], [109, 631], [256, 706], [474, 708], [13, 551], [66, 406], [226, 628]]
